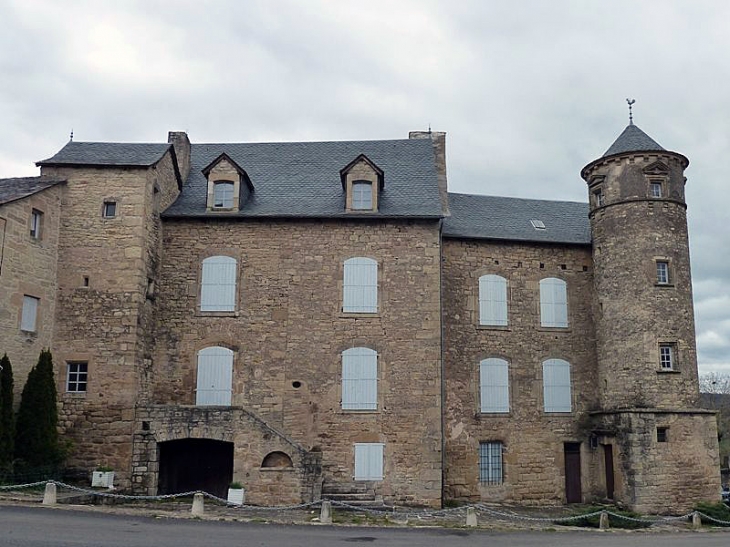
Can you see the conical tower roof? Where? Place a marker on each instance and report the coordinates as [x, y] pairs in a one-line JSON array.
[[633, 139]]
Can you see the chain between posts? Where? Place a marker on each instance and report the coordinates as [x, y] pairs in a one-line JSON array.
[[383, 510]]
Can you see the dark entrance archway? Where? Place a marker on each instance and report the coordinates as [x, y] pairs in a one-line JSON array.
[[195, 464]]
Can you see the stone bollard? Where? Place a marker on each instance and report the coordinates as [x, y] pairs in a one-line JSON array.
[[603, 521], [198, 504], [49, 496], [471, 517], [696, 521], [325, 512]]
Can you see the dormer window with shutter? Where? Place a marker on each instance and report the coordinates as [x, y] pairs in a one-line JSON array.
[[362, 181], [229, 186]]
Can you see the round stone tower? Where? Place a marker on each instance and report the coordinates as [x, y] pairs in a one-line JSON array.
[[644, 316]]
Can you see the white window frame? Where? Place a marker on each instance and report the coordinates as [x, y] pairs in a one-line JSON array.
[[494, 385], [36, 222], [362, 195], [223, 194], [369, 461], [653, 186], [359, 379], [360, 285], [107, 211], [667, 357], [29, 316], [218, 284], [493, 309], [491, 462], [556, 382], [214, 379], [553, 302], [77, 376], [662, 272]]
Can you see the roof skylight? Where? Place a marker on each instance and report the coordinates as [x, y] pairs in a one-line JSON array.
[[537, 224]]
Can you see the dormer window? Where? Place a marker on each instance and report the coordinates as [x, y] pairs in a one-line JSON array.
[[362, 195], [223, 195]]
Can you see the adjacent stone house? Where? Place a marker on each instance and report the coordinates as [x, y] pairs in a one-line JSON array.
[[325, 319]]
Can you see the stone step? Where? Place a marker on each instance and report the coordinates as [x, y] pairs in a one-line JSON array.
[[345, 488]]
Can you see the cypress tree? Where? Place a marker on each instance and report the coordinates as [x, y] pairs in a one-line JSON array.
[[36, 438], [7, 421]]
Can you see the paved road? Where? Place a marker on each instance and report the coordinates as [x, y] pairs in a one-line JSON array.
[[45, 527]]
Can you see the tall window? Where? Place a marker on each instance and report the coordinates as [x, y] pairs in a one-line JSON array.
[[223, 195], [598, 198], [556, 385], [359, 379], [362, 195], [662, 272], [77, 375], [36, 219], [493, 300], [215, 377], [218, 285], [666, 356], [490, 462], [656, 189], [360, 286], [494, 385], [369, 461], [553, 302], [30, 313]]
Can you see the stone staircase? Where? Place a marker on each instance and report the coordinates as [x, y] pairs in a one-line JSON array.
[[358, 494]]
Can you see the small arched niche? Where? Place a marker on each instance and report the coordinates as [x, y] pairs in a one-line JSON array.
[[277, 460]]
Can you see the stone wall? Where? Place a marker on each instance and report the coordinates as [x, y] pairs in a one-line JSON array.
[[288, 333], [28, 266], [533, 440]]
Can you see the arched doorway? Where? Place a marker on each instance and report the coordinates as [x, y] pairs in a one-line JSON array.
[[195, 464]]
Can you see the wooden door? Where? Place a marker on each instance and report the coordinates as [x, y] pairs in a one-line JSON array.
[[608, 461], [573, 492]]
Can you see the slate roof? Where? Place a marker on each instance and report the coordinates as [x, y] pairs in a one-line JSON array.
[[490, 217], [302, 179], [112, 154], [632, 139], [18, 188]]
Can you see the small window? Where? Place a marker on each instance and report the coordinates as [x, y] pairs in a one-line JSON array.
[[110, 209], [553, 302], [490, 463], [30, 313], [556, 385], [656, 189], [359, 379], [667, 356], [362, 195], [537, 224], [661, 434], [218, 284], [360, 286], [493, 300], [662, 272], [36, 220], [369, 461], [494, 386], [77, 375], [223, 195], [598, 198]]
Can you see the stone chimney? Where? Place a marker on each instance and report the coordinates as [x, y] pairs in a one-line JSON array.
[[438, 139], [181, 143]]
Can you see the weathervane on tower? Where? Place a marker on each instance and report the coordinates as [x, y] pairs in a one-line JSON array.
[[631, 114]]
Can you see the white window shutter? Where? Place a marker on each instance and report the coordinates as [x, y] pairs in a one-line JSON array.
[[556, 385], [494, 385], [359, 379], [369, 461], [30, 314], [360, 285], [553, 302], [218, 286], [215, 377], [493, 300]]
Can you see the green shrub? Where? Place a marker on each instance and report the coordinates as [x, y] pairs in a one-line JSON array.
[[716, 510], [613, 521]]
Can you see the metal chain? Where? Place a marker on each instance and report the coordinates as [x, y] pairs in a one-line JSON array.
[[19, 486]]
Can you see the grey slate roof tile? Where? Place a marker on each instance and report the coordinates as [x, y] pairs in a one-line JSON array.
[[302, 179], [108, 153], [632, 139], [490, 217], [18, 188]]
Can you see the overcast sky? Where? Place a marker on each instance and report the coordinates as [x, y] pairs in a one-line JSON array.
[[527, 91]]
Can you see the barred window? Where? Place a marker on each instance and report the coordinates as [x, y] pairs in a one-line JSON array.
[[490, 462]]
